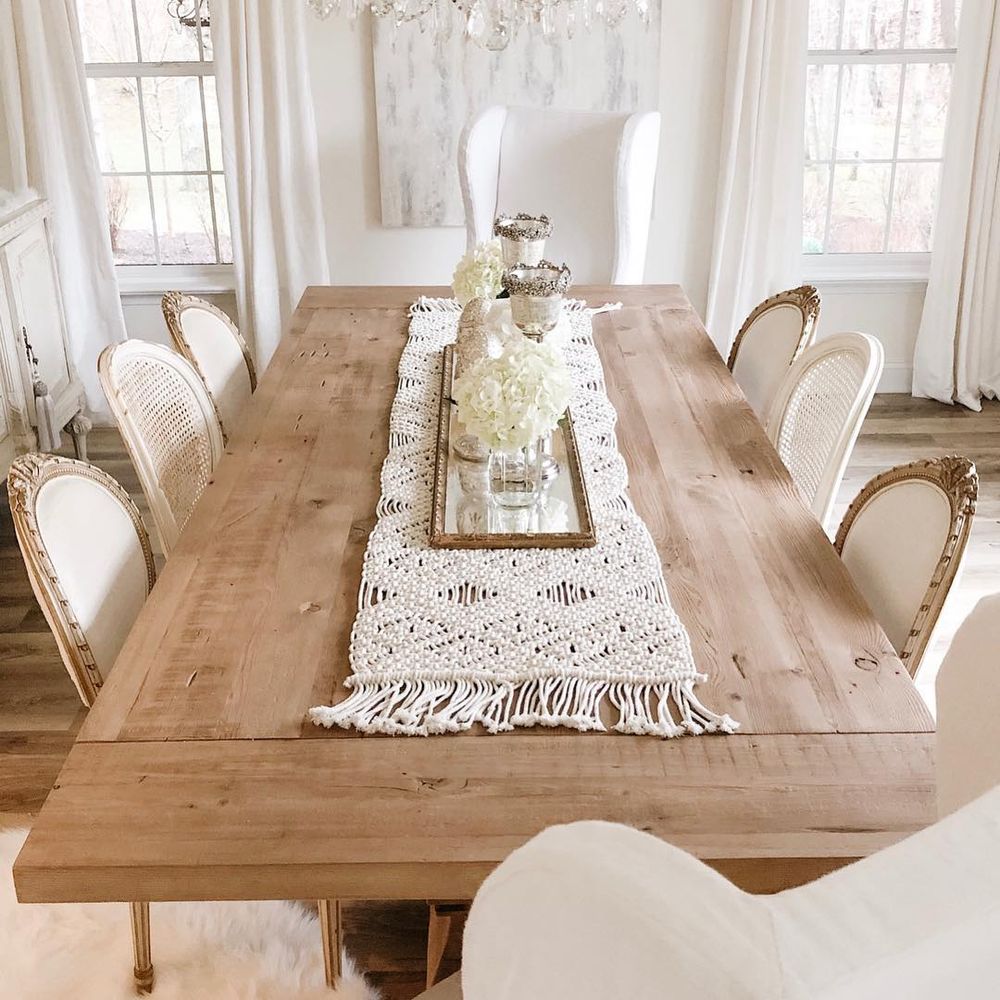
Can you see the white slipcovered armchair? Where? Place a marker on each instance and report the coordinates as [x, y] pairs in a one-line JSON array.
[[591, 173], [593, 911]]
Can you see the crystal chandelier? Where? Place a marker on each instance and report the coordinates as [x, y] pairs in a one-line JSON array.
[[491, 24]]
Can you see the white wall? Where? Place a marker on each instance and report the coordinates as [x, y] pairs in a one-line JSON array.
[[694, 40]]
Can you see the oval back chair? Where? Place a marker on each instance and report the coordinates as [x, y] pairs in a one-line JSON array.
[[592, 173], [818, 410], [209, 339], [903, 538], [770, 340], [169, 425], [88, 559]]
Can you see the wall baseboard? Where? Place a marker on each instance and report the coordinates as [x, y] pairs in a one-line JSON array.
[[897, 376]]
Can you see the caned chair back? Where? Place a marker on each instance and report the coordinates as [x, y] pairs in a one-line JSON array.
[[968, 704], [88, 559], [209, 339], [772, 337], [169, 425], [903, 539], [818, 410], [591, 173]]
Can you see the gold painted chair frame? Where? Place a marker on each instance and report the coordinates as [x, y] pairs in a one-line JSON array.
[[28, 474], [805, 298], [174, 305], [956, 477]]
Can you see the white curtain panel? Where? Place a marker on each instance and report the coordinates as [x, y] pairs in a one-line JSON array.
[[957, 357], [757, 244], [52, 149], [271, 162]]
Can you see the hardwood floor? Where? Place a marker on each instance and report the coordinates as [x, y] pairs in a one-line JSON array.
[[40, 712]]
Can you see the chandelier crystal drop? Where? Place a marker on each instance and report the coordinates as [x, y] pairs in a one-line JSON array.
[[492, 24]]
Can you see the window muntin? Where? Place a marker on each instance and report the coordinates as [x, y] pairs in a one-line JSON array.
[[155, 118]]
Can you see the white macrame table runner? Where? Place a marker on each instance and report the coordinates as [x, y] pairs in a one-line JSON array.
[[444, 639]]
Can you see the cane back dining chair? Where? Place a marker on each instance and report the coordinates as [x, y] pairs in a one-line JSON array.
[[209, 339], [771, 339], [818, 410], [169, 425], [88, 559], [903, 538], [592, 173]]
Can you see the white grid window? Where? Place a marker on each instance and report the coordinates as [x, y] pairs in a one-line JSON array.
[[876, 107], [155, 116]]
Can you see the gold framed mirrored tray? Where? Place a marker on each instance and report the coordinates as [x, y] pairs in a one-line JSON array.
[[463, 516]]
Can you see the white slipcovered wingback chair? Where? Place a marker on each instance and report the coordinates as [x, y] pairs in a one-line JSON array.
[[591, 173], [903, 538], [169, 425], [772, 337], [595, 910], [968, 709], [818, 410], [209, 339], [88, 559]]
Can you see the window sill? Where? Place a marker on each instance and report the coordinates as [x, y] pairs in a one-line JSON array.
[[206, 279], [866, 272]]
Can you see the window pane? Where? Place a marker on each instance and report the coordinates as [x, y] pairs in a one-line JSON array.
[[107, 30], [816, 188], [872, 24], [174, 129], [114, 109], [129, 220], [184, 220], [222, 220], [163, 38], [868, 106], [824, 24], [925, 110], [932, 23], [214, 132], [914, 204], [860, 202], [821, 107]]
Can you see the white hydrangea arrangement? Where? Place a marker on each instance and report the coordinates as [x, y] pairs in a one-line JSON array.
[[511, 401], [478, 273]]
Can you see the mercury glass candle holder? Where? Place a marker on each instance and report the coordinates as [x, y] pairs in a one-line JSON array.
[[536, 295], [522, 237]]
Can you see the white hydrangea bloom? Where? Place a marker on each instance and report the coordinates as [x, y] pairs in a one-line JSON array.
[[511, 401], [478, 273]]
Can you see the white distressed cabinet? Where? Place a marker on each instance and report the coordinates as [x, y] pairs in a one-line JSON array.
[[32, 320]]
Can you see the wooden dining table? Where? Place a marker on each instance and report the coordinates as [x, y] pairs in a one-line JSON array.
[[197, 776]]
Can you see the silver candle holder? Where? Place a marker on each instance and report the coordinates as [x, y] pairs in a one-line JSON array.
[[522, 237], [536, 295]]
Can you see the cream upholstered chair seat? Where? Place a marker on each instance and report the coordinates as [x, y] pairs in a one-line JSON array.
[[88, 559], [169, 425], [209, 339], [903, 539], [818, 410], [772, 337], [591, 173]]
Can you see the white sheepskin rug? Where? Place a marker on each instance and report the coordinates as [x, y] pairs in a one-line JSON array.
[[201, 951]]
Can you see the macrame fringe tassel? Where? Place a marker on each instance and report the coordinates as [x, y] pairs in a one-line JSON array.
[[427, 707]]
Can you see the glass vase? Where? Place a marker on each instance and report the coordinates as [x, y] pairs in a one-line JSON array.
[[522, 237], [536, 296], [516, 477]]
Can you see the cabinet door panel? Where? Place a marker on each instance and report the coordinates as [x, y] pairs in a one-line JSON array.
[[34, 290]]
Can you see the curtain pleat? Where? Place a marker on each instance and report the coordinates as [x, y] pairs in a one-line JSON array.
[[271, 162]]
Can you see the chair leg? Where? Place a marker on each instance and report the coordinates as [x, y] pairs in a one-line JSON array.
[[331, 930], [143, 969], [438, 931]]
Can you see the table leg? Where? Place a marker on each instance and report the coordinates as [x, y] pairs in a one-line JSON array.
[[143, 970], [331, 930]]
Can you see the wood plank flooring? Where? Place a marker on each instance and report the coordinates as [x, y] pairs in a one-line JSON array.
[[40, 712]]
